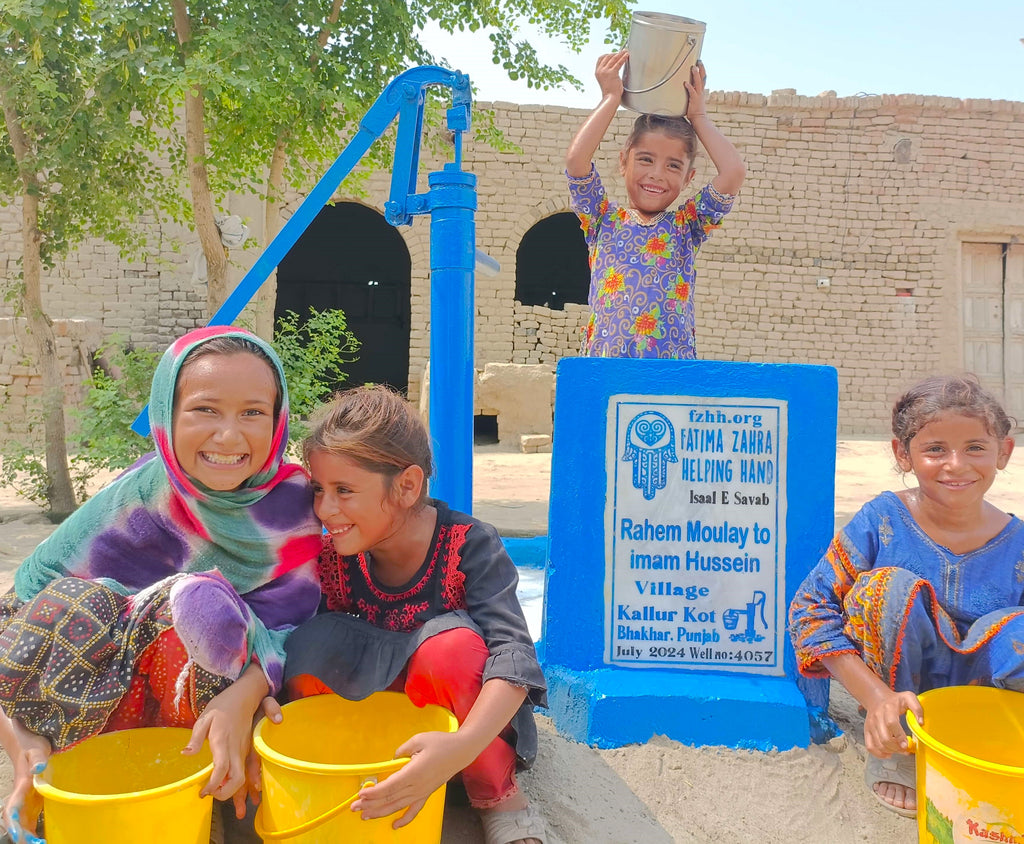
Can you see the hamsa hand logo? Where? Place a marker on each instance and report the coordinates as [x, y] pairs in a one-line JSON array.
[[651, 445]]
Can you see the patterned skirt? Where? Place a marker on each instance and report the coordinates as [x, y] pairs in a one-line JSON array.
[[909, 640], [80, 658]]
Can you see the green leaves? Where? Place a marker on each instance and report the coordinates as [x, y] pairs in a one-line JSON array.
[[97, 85], [83, 131], [505, 21], [313, 352], [116, 391], [92, 93]]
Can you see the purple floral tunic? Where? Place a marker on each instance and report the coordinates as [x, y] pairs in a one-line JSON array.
[[642, 275]]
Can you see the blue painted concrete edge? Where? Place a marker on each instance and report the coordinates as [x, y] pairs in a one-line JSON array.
[[527, 551], [753, 712]]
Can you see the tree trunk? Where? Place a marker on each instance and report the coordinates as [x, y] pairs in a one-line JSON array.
[[266, 297], [265, 304], [198, 179], [60, 493]]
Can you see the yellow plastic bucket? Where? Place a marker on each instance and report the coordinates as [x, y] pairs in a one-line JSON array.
[[970, 765], [320, 755], [126, 787]]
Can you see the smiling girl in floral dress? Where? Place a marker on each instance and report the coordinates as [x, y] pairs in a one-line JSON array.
[[642, 255]]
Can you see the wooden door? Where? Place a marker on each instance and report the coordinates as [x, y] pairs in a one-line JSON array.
[[993, 291], [1013, 352]]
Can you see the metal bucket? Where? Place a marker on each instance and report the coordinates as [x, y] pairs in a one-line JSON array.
[[662, 49]]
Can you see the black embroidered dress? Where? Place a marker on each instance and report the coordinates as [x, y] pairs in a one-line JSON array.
[[365, 632]]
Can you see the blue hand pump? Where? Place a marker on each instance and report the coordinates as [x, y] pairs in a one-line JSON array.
[[451, 203]]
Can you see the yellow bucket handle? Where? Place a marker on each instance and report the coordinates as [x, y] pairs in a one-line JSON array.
[[306, 826]]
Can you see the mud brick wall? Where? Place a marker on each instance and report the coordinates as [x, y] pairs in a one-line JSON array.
[[876, 194]]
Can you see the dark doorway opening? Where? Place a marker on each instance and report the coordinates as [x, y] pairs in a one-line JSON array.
[[485, 429], [351, 258], [551, 263]]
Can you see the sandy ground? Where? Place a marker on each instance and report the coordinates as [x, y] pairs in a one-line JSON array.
[[661, 791]]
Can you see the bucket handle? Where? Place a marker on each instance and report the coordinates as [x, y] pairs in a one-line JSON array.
[[691, 41], [306, 826]]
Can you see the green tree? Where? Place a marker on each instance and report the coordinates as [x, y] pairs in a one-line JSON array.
[[267, 86], [236, 94], [73, 154]]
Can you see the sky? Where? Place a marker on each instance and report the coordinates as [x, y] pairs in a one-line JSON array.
[[945, 48]]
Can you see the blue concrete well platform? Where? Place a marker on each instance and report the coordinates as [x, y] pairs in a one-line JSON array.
[[689, 499]]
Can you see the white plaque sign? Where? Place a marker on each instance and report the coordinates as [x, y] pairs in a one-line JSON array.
[[695, 533]]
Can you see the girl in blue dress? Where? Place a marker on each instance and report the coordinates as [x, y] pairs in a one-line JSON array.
[[924, 588]]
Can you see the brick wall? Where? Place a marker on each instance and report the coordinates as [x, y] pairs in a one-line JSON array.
[[21, 386], [875, 194]]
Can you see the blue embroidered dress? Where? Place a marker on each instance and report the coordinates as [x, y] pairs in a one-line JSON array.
[[919, 615], [642, 274]]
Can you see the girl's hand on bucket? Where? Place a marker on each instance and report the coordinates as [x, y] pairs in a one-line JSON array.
[[271, 709], [609, 73], [229, 733], [250, 790], [226, 724], [695, 106], [434, 759], [883, 729], [29, 759], [19, 835]]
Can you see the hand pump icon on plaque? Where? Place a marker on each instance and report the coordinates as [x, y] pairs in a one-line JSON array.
[[730, 618]]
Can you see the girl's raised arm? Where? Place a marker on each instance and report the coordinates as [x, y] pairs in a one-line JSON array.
[[726, 158], [586, 141]]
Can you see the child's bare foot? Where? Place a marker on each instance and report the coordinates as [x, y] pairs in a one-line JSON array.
[[893, 782], [514, 821], [896, 795]]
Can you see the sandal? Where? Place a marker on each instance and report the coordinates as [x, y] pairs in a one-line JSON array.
[[504, 827], [901, 769]]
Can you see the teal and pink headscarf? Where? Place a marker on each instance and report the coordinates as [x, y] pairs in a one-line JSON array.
[[155, 522]]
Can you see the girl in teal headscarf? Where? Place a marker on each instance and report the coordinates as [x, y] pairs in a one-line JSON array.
[[176, 585]]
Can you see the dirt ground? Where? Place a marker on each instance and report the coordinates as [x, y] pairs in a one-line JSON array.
[[661, 791]]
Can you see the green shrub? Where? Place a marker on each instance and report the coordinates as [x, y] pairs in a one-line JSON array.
[[313, 353], [116, 391], [23, 467]]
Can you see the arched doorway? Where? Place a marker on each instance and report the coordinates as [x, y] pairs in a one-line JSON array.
[[551, 263], [351, 258]]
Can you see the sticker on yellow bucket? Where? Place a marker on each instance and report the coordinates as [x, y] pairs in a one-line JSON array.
[[970, 778]]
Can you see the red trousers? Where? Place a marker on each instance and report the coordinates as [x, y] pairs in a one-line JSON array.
[[447, 669], [150, 701]]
